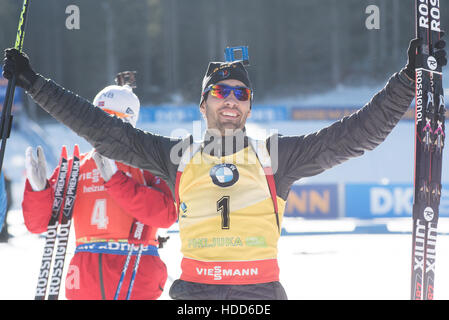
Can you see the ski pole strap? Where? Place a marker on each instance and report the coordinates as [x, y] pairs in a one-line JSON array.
[[121, 248]]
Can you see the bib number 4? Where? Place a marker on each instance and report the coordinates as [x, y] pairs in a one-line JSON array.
[[99, 215]]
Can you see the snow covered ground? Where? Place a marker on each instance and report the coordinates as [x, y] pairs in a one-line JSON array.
[[326, 266]]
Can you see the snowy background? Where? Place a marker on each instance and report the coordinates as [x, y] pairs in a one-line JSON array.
[[302, 53]]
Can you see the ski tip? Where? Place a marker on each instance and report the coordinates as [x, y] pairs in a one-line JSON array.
[[76, 151], [64, 152]]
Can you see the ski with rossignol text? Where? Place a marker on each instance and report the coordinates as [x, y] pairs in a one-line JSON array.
[[50, 237], [429, 143], [64, 228]]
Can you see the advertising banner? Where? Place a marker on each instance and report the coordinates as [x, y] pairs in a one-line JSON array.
[[319, 201], [368, 201]]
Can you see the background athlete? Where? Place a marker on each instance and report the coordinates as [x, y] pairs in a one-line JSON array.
[[111, 196]]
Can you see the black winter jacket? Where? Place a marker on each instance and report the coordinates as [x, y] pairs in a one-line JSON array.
[[293, 157]]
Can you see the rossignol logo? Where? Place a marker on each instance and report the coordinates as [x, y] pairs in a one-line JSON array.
[[435, 15], [46, 261], [423, 9], [428, 214], [217, 272], [432, 63], [63, 237], [419, 98]]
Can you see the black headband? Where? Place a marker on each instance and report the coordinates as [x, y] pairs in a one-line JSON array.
[[218, 71]]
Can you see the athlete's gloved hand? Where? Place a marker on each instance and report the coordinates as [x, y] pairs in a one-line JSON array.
[[106, 166], [18, 63], [36, 169], [439, 54]]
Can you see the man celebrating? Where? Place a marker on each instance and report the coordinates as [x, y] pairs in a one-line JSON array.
[[230, 189]]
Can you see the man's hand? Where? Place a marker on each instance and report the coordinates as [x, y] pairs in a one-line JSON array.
[[18, 63], [106, 166], [439, 54]]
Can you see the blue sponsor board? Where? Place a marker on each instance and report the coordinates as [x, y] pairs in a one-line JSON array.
[[368, 201], [189, 113], [265, 113], [162, 113], [318, 201]]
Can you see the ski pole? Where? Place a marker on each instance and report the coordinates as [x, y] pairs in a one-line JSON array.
[[122, 276], [137, 235], [6, 119], [133, 276]]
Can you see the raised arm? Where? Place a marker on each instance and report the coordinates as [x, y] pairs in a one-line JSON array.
[[309, 155]]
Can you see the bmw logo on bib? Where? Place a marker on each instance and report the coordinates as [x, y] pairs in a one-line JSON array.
[[224, 174]]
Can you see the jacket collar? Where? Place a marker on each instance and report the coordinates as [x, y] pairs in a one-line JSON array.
[[219, 146]]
